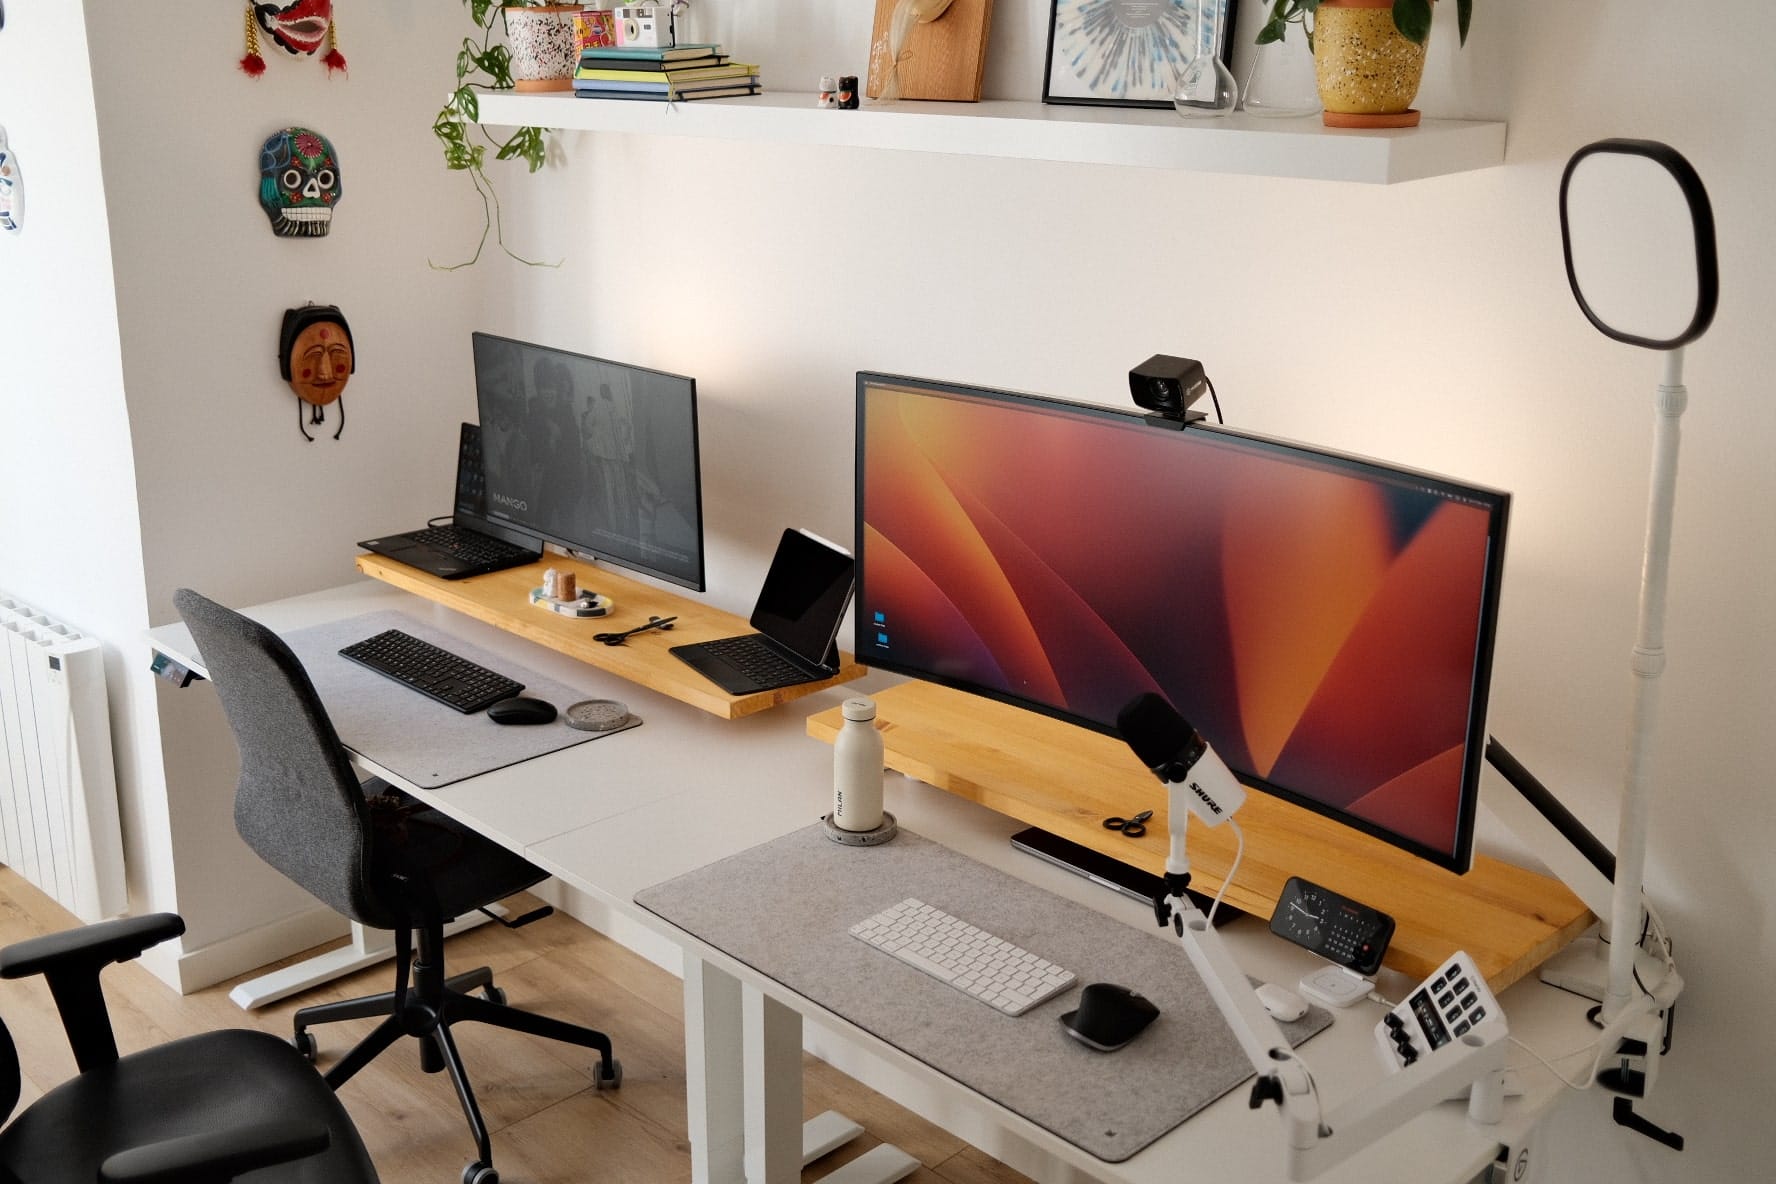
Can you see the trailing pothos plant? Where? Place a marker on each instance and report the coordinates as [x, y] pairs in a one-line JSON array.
[[484, 64]]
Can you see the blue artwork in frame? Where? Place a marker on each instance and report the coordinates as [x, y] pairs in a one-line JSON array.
[[1128, 53]]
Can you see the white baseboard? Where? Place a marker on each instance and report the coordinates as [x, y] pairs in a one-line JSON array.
[[192, 970]]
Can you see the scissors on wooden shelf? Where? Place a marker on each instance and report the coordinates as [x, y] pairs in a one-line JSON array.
[[1131, 828], [620, 638]]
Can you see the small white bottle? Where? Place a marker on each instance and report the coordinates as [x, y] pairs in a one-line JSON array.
[[857, 769]]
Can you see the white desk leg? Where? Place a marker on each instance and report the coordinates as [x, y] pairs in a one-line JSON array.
[[366, 948], [743, 1092], [773, 1089], [715, 1090]]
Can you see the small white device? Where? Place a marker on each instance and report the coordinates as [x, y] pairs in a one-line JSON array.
[[1283, 1004], [1335, 986], [646, 26]]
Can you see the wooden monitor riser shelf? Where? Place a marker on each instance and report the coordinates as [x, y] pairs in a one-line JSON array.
[[502, 599], [1067, 780]]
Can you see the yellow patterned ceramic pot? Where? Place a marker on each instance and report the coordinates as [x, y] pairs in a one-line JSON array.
[[1368, 72]]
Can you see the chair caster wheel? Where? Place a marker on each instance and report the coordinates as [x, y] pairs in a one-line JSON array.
[[304, 1043], [479, 1173], [494, 994], [615, 1077]]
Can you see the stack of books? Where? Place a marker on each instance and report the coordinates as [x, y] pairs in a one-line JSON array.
[[662, 75]]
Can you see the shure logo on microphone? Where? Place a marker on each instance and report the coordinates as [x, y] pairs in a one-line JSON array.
[[1202, 795], [511, 503]]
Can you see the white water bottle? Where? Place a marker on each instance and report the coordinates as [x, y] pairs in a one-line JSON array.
[[857, 769]]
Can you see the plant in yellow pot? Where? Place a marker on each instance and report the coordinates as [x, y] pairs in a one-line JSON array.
[[1368, 54]]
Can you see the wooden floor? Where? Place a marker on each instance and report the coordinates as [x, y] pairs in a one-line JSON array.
[[549, 1125]]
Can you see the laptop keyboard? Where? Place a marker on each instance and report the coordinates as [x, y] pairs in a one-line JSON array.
[[434, 672], [756, 660], [468, 545]]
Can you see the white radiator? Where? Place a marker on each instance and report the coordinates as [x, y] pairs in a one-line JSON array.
[[58, 787]]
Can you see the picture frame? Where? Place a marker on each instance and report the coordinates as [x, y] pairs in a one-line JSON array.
[[1126, 53]]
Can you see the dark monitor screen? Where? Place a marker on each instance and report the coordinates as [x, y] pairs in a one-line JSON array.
[[595, 456], [806, 591], [1325, 622]]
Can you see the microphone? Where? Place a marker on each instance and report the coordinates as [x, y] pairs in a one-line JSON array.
[[1179, 756]]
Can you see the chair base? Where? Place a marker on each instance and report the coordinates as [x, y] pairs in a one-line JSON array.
[[427, 1012]]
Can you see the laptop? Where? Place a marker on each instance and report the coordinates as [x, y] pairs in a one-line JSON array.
[[804, 598], [470, 545]]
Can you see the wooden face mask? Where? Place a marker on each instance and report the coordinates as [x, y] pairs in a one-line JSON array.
[[316, 358]]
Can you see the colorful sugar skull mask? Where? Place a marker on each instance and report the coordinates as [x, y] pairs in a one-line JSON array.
[[299, 183], [12, 189]]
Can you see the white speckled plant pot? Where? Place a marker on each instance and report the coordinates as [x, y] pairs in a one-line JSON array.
[[544, 53], [1368, 73]]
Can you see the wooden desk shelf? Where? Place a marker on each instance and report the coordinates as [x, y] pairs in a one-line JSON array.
[[1067, 780], [502, 599]]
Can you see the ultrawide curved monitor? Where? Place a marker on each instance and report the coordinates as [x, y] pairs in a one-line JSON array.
[[1326, 622], [592, 455]]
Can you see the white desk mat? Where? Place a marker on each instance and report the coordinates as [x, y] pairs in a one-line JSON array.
[[784, 908], [415, 737]]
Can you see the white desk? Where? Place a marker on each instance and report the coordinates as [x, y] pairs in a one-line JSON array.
[[627, 811]]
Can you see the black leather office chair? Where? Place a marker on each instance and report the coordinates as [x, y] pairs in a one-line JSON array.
[[377, 857], [198, 1110]]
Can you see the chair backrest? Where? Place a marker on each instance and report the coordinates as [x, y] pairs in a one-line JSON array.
[[298, 804], [11, 1077]]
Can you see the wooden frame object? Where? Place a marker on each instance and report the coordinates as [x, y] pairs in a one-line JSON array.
[[1115, 53], [944, 58]]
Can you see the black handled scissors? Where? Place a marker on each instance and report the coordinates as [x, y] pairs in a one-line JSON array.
[[1131, 828], [620, 638]]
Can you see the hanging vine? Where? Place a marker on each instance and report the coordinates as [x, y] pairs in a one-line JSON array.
[[481, 63]]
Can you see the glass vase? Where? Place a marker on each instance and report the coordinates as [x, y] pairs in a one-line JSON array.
[[1280, 81], [1205, 86]]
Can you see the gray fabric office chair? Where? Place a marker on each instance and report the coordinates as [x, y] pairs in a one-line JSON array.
[[370, 853], [198, 1110]]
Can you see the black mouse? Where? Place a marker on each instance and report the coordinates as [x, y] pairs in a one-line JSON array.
[[1109, 1016], [519, 710]]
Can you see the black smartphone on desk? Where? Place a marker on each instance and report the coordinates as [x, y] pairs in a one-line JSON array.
[[1101, 869]]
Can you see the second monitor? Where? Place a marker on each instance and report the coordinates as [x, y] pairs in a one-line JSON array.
[[595, 456]]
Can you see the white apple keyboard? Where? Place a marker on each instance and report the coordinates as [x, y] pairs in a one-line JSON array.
[[991, 969]]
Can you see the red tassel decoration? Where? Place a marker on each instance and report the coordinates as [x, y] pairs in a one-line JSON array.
[[252, 65], [334, 59]]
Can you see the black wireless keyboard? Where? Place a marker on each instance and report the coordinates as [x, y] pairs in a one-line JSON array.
[[749, 655], [471, 546], [436, 673]]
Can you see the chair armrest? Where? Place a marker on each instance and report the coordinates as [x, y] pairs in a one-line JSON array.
[[91, 945], [71, 961], [215, 1157]]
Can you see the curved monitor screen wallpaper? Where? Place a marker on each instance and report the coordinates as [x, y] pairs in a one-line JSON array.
[[1325, 622]]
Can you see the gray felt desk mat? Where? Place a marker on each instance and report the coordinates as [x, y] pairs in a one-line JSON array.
[[784, 908], [410, 735]]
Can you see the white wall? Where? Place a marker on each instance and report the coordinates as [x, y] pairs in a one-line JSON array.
[[70, 541], [1427, 323]]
